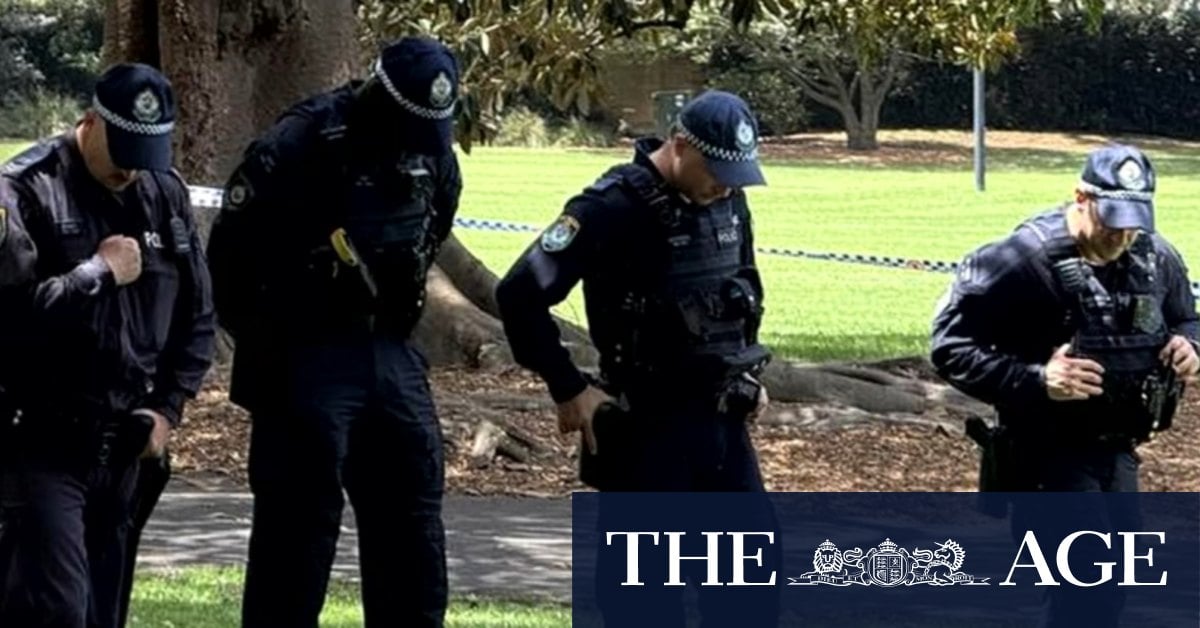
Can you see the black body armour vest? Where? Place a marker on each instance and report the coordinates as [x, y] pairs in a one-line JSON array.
[[375, 276], [685, 303], [1124, 331]]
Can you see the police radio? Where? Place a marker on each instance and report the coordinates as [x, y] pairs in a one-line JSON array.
[[1078, 279]]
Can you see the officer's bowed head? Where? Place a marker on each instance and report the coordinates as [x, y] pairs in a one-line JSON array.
[[421, 78], [128, 127], [1114, 200], [713, 148], [1121, 179]]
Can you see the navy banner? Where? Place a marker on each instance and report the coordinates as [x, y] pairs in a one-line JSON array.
[[885, 559]]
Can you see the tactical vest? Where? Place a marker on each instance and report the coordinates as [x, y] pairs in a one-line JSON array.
[[688, 309], [1124, 331], [386, 211]]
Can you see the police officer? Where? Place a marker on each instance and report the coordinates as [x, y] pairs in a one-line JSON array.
[[664, 248], [108, 330], [1079, 327], [319, 258]]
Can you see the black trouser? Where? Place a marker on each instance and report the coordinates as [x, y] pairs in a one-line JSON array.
[[692, 452], [1076, 467], [152, 479], [66, 520], [359, 416]]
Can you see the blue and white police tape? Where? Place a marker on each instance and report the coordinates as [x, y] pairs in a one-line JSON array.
[[211, 197], [494, 225]]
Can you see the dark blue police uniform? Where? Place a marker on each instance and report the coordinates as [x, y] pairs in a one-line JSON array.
[[1016, 300], [82, 356], [673, 301], [319, 258]]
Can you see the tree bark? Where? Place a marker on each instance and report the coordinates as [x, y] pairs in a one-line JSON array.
[[190, 60], [130, 32], [861, 137]]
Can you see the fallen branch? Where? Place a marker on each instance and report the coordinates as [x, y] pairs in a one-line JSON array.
[[496, 435], [491, 439]]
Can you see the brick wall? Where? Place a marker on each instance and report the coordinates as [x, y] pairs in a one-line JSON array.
[[629, 86]]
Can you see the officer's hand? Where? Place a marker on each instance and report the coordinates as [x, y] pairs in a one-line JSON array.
[[123, 256], [1180, 354], [577, 414], [156, 446], [1072, 379]]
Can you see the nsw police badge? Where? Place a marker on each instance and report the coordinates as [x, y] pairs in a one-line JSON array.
[[560, 234], [146, 107], [1131, 176], [441, 91], [239, 193], [745, 136]]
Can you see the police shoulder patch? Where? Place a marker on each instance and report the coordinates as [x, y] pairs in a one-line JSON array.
[[559, 235], [976, 272], [603, 184], [239, 193]]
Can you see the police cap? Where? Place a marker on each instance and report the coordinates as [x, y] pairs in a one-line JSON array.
[[138, 107], [421, 74], [721, 126], [1122, 180]]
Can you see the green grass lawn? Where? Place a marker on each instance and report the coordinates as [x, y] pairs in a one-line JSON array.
[[8, 148], [208, 597], [211, 598], [830, 310]]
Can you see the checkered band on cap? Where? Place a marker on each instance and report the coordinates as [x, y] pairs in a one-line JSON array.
[[410, 106], [1123, 195], [716, 152], [129, 126]]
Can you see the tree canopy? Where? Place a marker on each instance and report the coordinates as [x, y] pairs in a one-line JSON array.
[[552, 45]]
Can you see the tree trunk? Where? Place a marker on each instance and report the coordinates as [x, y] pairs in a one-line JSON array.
[[862, 133], [130, 31], [861, 137]]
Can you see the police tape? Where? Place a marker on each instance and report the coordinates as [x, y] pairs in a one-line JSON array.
[[212, 198], [206, 197]]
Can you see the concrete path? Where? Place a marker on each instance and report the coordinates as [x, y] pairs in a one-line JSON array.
[[496, 546]]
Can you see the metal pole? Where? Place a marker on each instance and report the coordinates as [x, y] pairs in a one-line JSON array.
[[980, 157]]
